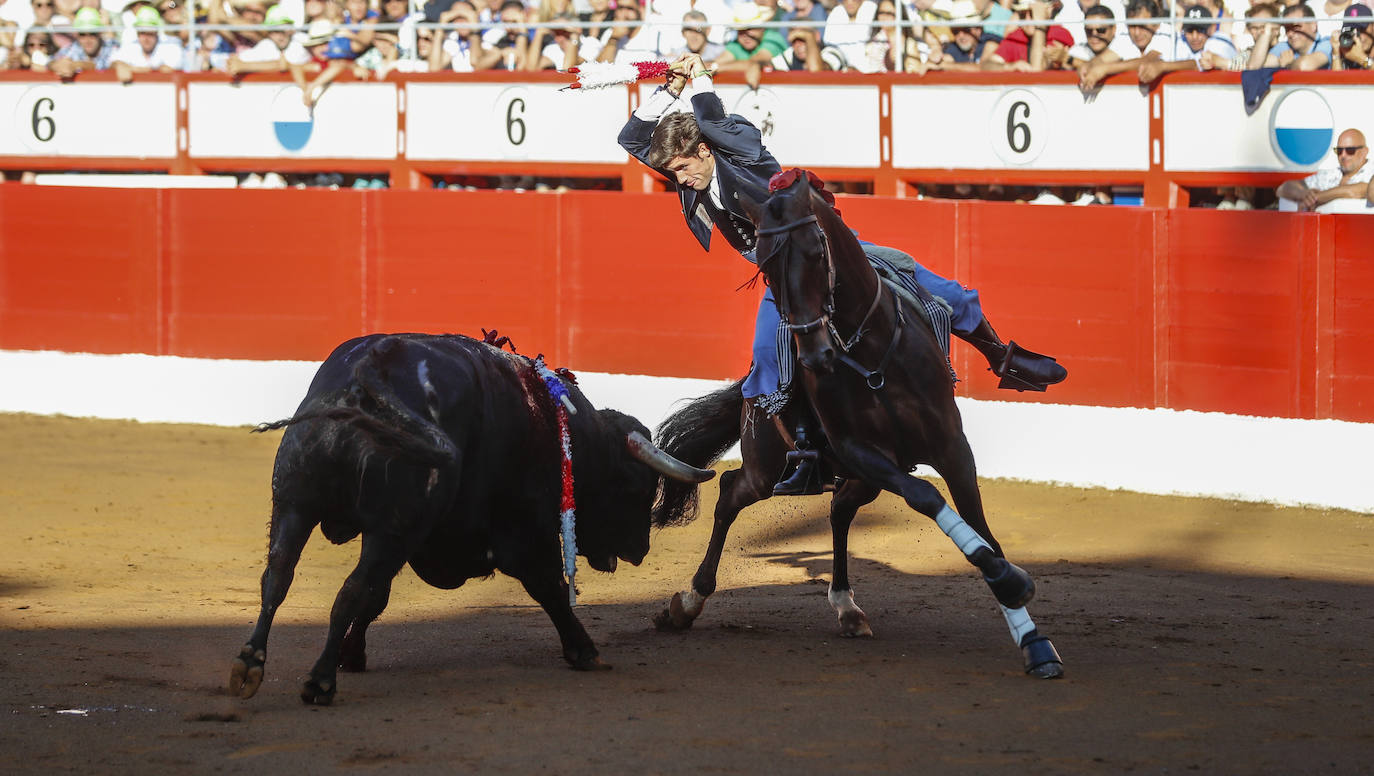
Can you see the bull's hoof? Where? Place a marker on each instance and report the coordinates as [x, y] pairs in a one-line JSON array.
[[675, 617], [854, 625], [318, 692], [1042, 660], [245, 676], [1011, 585]]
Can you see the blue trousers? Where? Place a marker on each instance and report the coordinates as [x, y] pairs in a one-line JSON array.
[[766, 376]]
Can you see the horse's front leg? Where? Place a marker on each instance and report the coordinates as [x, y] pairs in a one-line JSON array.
[[738, 489], [1010, 584], [845, 504]]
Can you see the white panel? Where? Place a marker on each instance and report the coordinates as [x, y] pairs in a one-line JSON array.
[[1019, 127], [531, 122], [55, 119], [1206, 128], [269, 120], [820, 126]]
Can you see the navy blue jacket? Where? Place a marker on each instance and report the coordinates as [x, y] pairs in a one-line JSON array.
[[742, 163]]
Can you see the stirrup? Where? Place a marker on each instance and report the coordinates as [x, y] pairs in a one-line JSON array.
[[1026, 370], [804, 480]]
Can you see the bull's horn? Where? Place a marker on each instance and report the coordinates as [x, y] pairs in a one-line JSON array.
[[644, 450]]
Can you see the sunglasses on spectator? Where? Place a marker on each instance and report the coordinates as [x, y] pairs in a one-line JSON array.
[[1347, 149], [1099, 31], [42, 5]]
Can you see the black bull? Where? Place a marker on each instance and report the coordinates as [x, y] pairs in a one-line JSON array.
[[443, 452]]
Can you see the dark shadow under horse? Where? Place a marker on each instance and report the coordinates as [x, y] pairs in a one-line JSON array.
[[877, 381]]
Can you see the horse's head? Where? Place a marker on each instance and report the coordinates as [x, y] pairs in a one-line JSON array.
[[794, 256]]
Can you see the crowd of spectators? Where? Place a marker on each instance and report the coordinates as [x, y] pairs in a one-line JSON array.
[[318, 40]]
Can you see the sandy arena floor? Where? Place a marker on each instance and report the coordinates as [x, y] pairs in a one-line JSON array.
[[1204, 636]]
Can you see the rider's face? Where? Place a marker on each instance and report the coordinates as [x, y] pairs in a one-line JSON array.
[[694, 171]]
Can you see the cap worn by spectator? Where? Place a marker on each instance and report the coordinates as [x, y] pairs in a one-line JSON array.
[[319, 32], [751, 15], [1356, 11], [277, 17], [147, 16], [86, 18], [1196, 12], [132, 4]]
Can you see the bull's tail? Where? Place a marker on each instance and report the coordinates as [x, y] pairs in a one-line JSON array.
[[371, 407], [698, 434]]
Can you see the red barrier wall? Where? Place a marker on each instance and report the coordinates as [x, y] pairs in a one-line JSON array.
[[1251, 312]]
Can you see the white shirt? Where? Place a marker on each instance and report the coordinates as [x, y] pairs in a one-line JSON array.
[[1215, 44], [718, 15], [850, 36], [588, 48], [1330, 178], [167, 53], [1122, 46], [457, 47], [1071, 17], [267, 51]]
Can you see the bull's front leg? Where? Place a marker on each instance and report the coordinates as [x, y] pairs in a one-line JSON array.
[[549, 589]]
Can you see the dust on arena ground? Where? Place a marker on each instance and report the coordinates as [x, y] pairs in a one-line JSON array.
[[1204, 635]]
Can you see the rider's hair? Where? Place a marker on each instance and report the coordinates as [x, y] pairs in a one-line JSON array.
[[676, 135]]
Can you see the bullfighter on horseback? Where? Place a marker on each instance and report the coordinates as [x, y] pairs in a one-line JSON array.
[[713, 159]]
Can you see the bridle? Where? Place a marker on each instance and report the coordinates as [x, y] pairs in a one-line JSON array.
[[784, 232]]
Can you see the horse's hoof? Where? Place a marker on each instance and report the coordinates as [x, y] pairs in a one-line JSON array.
[[592, 663], [1042, 660], [854, 625], [245, 675], [317, 693], [675, 617]]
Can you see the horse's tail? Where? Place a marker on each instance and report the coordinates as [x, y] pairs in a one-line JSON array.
[[370, 406], [698, 434]]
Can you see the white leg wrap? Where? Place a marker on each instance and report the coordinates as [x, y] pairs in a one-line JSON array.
[[964, 537], [691, 602], [1019, 621]]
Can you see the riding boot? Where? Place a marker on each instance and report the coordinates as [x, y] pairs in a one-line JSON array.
[[1019, 368], [804, 479]]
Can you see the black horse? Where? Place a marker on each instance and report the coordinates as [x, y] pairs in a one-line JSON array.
[[877, 381]]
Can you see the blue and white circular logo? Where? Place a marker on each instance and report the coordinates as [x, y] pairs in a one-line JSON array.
[[292, 122], [1302, 127]]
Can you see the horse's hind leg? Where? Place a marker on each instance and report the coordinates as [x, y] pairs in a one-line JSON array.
[[1010, 584], [845, 504], [287, 537]]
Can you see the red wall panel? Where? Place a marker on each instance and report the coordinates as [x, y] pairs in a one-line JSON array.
[[1073, 283], [1236, 332], [1254, 313], [79, 269], [1353, 325], [639, 296], [463, 262], [272, 274]]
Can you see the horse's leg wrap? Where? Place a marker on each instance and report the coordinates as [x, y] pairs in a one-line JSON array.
[[964, 537], [1009, 582], [1041, 658]]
